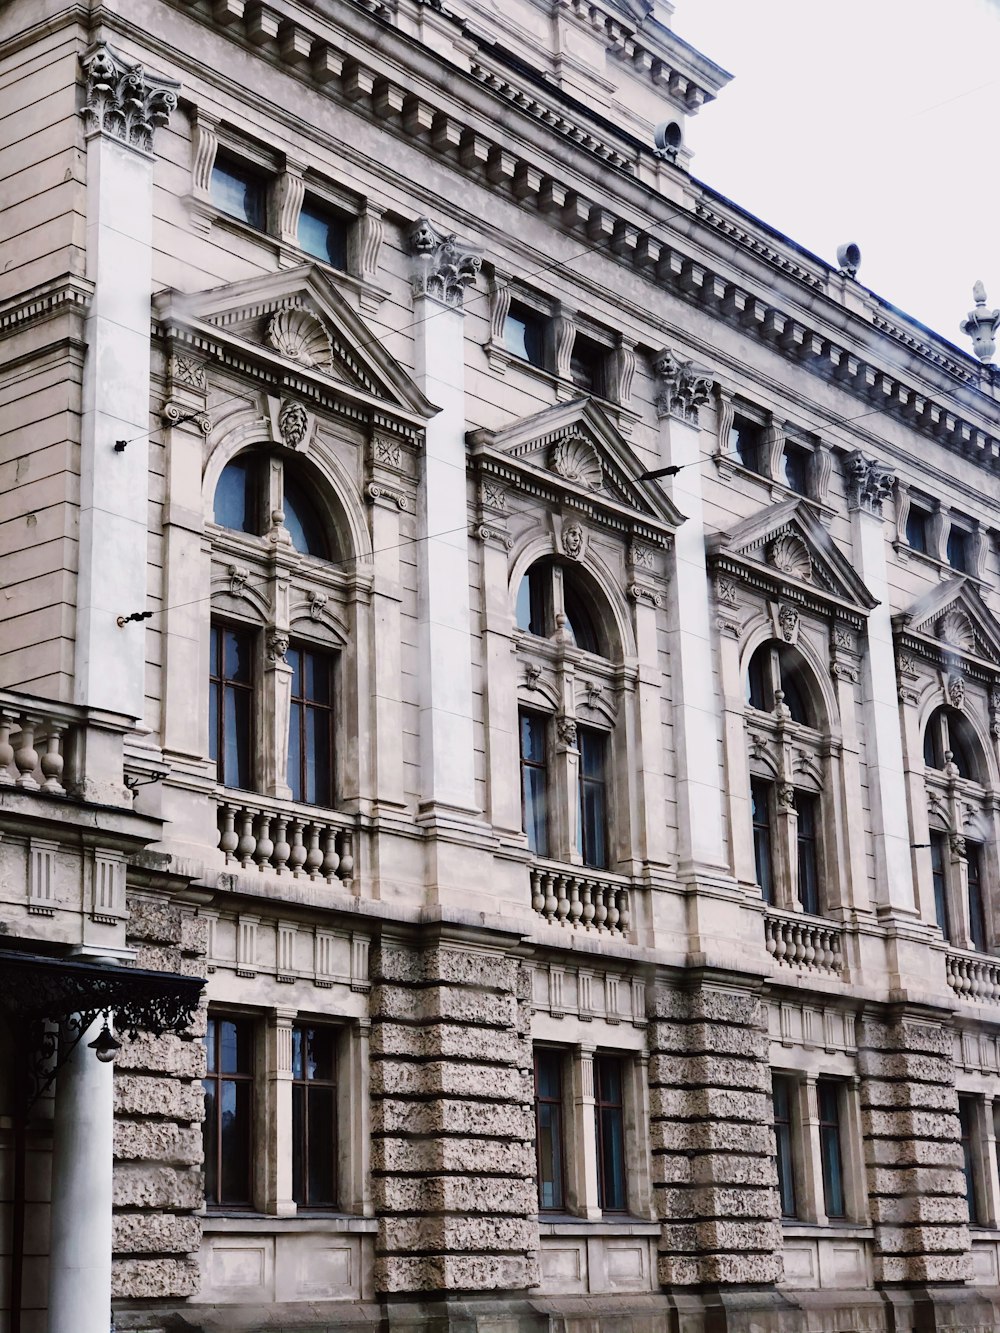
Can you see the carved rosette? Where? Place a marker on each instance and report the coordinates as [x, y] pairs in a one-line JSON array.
[[122, 100], [727, 604], [869, 483], [682, 386], [443, 266]]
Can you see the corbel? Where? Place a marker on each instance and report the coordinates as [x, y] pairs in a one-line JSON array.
[[499, 296]]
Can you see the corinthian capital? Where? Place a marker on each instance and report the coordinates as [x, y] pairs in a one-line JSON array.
[[443, 266], [122, 100], [869, 482], [682, 386]]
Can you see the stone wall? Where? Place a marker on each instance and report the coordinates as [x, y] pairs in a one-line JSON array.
[[452, 1153], [913, 1152], [714, 1174], [159, 1106]]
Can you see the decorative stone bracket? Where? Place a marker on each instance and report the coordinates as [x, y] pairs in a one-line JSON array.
[[869, 483], [682, 386], [122, 100], [442, 265]]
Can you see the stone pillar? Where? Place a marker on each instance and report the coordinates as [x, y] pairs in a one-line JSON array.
[[584, 1190], [452, 1157], [278, 1113], [123, 107], [441, 271], [80, 1239], [913, 1152], [714, 1175]]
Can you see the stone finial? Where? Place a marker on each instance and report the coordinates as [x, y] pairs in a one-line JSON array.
[[683, 386], [981, 325], [443, 266], [122, 100], [869, 483]]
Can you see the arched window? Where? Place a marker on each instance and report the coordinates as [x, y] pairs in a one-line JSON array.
[[550, 596], [949, 738], [256, 485], [775, 667]]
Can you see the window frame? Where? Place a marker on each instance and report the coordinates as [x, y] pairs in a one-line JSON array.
[[252, 172], [219, 685], [833, 1171], [558, 1136], [592, 839], [786, 1132], [218, 1077], [301, 1120], [607, 1110], [315, 206], [542, 767], [300, 707]]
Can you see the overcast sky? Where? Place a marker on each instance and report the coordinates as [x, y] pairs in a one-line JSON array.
[[872, 121]]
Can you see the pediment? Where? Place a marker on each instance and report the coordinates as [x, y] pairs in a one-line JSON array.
[[576, 448], [299, 318], [786, 546], [954, 620]]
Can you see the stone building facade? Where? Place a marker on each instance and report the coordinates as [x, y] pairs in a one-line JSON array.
[[499, 699]]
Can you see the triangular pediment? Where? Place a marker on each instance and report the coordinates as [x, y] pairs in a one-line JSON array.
[[576, 447], [954, 620], [787, 546], [298, 317]]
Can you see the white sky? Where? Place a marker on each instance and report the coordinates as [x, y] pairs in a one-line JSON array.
[[872, 121]]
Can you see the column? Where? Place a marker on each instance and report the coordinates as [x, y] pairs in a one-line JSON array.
[[124, 105], [582, 1131], [82, 1160], [279, 1200], [442, 269]]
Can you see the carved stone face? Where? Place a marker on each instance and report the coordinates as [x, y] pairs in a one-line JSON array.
[[423, 237], [573, 540], [293, 421]]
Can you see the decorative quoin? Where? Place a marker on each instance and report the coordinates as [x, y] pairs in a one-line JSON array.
[[443, 266], [123, 101], [684, 386]]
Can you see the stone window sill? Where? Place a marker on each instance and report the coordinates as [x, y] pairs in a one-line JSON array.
[[605, 1226], [216, 1223], [816, 1230]]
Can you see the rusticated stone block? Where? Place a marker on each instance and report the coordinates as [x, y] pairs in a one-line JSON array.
[[459, 1155], [710, 1136], [907, 1124], [155, 1233], [714, 1169], [709, 1039], [915, 1180], [680, 1271], [726, 1236], [706, 1005], [905, 1068], [194, 934], [917, 1152], [455, 1194], [926, 1208], [923, 1268], [924, 1240], [461, 967], [460, 1272], [487, 1010], [924, 1038], [158, 957], [436, 1078], [445, 1116], [162, 1055], [878, 1094], [446, 1041], [168, 1098], [416, 1235], [708, 1071], [138, 1186], [709, 1104], [703, 1202], [153, 922], [150, 1279], [141, 1141]]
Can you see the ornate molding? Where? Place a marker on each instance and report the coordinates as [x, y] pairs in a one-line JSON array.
[[495, 535], [122, 100], [442, 265], [386, 493], [683, 386], [174, 414], [869, 483]]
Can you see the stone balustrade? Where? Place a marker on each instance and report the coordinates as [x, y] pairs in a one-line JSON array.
[[33, 741], [279, 838], [805, 943], [974, 977], [581, 899]]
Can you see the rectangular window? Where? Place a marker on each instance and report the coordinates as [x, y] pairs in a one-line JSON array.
[[548, 1130], [760, 802], [958, 549], [807, 808], [231, 705], [796, 466], [524, 334], [939, 861], [587, 364], [228, 1126], [967, 1123], [592, 839], [782, 1097], [746, 439], [610, 1112], [310, 732], [323, 233], [534, 781], [314, 1116], [918, 528], [828, 1093], [240, 191], [977, 911]]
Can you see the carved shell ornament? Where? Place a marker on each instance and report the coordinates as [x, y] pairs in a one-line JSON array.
[[955, 628], [577, 460], [301, 336], [791, 556]]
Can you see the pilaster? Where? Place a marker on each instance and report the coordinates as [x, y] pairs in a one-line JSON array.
[[278, 1111]]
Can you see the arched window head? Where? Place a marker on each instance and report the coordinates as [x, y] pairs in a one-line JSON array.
[[551, 595], [255, 484], [774, 667], [950, 738]]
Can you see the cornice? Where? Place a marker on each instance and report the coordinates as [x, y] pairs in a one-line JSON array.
[[65, 294]]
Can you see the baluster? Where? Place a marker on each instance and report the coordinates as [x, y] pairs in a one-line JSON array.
[[991, 974], [331, 860], [976, 977], [25, 754], [963, 977], [770, 943], [537, 896], [248, 843], [228, 841], [950, 971], [297, 855], [550, 897], [51, 762], [624, 911], [613, 914], [587, 916], [600, 907], [314, 857], [281, 847], [797, 948], [264, 844], [575, 905], [808, 946], [8, 722], [562, 905], [780, 942], [347, 858]]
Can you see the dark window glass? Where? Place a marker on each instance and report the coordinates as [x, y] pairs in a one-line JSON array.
[[310, 732], [230, 705], [760, 801], [534, 781], [745, 441], [236, 504], [314, 1116], [227, 1130], [579, 621], [939, 853], [977, 909], [592, 841], [967, 1120], [963, 745], [759, 680], [239, 191], [548, 1130], [610, 1112], [532, 601], [586, 366], [958, 549], [782, 1092], [524, 334], [828, 1095], [302, 519], [934, 742], [796, 697], [796, 465], [323, 233], [807, 807], [918, 528]]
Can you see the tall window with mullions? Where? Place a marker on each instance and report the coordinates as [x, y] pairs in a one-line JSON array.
[[314, 1116], [939, 855], [609, 1108], [977, 908], [227, 1129], [806, 805], [592, 836], [310, 733], [534, 781], [549, 1130], [760, 803], [230, 705], [782, 1094], [828, 1093]]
